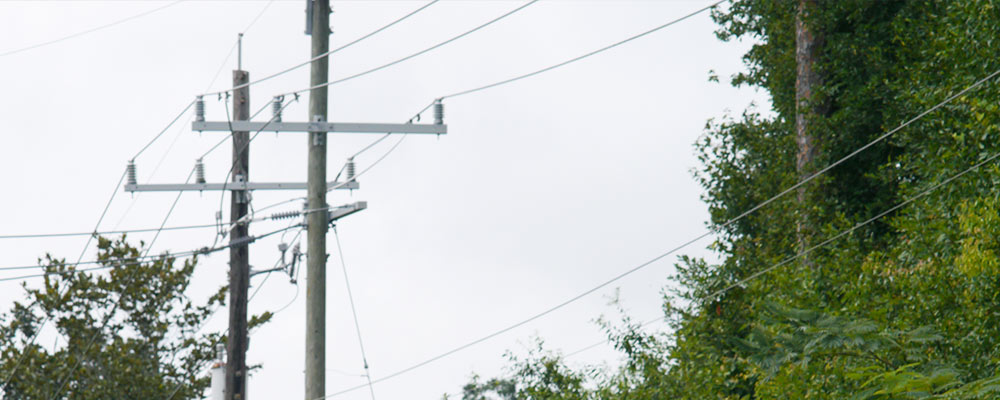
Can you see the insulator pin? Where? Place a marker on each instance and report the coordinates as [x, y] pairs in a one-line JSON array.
[[130, 172], [438, 113], [349, 169], [199, 171], [199, 109], [276, 108]]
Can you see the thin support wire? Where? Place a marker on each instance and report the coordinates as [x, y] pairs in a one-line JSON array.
[[354, 312]]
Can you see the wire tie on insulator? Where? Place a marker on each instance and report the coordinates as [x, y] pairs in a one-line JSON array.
[[130, 172], [199, 109], [438, 112], [199, 171]]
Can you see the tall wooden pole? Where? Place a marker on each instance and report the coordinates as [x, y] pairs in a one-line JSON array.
[[239, 254], [316, 220]]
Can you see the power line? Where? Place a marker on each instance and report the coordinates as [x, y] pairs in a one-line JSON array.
[[354, 312], [257, 18], [581, 57], [82, 253], [115, 232], [373, 164], [421, 52], [822, 244], [81, 33], [327, 54], [215, 77], [117, 304], [699, 237], [146, 258]]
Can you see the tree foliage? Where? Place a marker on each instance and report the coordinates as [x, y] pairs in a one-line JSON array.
[[131, 333], [903, 308]]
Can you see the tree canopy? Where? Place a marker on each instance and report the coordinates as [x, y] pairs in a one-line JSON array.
[[130, 333], [903, 307]]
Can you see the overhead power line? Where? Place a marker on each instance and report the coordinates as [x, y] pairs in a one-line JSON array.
[[203, 250], [417, 54], [81, 33], [581, 57], [818, 246], [707, 233], [324, 55], [115, 232]]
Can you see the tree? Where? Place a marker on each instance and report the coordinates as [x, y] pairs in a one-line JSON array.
[[902, 308], [131, 333]]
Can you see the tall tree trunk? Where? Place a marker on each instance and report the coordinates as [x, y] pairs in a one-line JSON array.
[[807, 44]]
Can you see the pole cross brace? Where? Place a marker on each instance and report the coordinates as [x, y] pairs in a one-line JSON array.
[[332, 127], [339, 212], [170, 187]]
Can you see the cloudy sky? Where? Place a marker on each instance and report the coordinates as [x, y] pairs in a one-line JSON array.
[[542, 189]]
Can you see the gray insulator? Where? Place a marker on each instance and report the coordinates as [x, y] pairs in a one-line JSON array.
[[350, 169], [199, 171], [199, 109], [438, 113], [276, 107], [285, 215], [130, 172]]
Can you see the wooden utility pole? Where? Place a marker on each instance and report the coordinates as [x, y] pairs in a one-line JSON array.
[[807, 44], [239, 253], [317, 220]]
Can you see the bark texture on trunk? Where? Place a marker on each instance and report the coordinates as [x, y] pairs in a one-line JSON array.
[[807, 79]]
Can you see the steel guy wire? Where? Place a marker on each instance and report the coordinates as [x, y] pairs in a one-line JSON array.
[[421, 52], [81, 33], [354, 311], [695, 239], [327, 54]]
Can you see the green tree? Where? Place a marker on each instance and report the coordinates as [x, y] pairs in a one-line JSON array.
[[150, 347], [904, 307]]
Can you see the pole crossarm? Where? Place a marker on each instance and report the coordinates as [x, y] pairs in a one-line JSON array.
[[339, 212], [331, 127], [168, 187]]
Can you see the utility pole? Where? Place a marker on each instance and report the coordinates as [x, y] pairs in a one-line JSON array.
[[239, 253], [316, 222], [318, 215]]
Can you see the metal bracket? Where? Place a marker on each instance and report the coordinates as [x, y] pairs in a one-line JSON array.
[[335, 213], [169, 187]]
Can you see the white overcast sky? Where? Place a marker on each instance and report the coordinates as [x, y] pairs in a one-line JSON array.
[[541, 190]]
